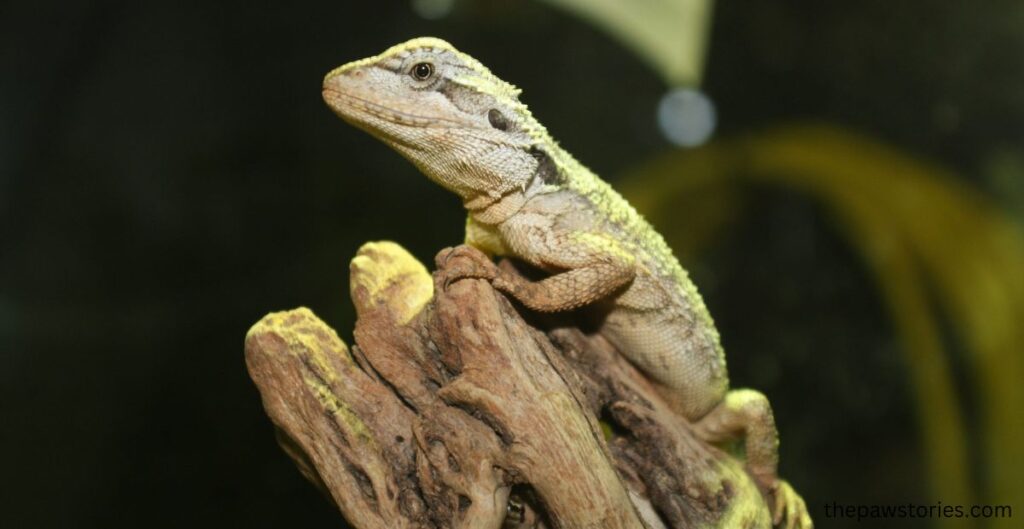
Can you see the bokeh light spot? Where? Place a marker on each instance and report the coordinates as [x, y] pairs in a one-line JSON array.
[[686, 117]]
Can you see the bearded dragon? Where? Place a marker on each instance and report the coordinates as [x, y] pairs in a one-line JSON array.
[[529, 199]]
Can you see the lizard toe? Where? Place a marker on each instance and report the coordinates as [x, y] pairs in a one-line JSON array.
[[789, 508], [464, 262]]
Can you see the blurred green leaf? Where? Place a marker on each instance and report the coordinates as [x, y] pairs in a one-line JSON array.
[[1004, 172], [671, 35]]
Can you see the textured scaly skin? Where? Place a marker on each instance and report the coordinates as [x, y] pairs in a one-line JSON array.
[[528, 198]]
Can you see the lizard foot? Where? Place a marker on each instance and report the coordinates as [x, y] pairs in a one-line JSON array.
[[464, 262], [788, 510]]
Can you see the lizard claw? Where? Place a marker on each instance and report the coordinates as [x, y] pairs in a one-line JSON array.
[[464, 262], [788, 507]]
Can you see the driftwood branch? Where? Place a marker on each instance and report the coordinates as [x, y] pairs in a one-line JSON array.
[[453, 411]]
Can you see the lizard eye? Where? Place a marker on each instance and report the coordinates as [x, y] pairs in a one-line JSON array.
[[422, 71]]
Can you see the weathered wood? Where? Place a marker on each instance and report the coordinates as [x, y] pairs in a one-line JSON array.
[[453, 411]]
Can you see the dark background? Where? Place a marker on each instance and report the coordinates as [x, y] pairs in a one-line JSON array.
[[169, 174]]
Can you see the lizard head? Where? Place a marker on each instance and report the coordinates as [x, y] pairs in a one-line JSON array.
[[448, 114]]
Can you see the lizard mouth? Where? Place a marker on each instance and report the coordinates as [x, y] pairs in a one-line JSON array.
[[349, 105]]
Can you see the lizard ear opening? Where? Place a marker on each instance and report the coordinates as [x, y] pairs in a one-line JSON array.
[[497, 119], [547, 171]]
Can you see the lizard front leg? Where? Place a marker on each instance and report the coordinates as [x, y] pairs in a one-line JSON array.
[[565, 290], [562, 291], [587, 266]]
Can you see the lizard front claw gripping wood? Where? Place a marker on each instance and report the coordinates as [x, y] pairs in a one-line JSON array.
[[529, 199]]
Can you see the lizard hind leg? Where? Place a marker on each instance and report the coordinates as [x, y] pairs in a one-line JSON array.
[[745, 414]]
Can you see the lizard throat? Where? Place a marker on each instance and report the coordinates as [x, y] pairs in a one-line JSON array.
[[487, 210]]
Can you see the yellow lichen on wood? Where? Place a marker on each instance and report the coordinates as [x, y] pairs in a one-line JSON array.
[[339, 409], [276, 322], [381, 265], [309, 348]]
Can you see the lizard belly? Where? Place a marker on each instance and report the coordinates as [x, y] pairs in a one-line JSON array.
[[680, 354]]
